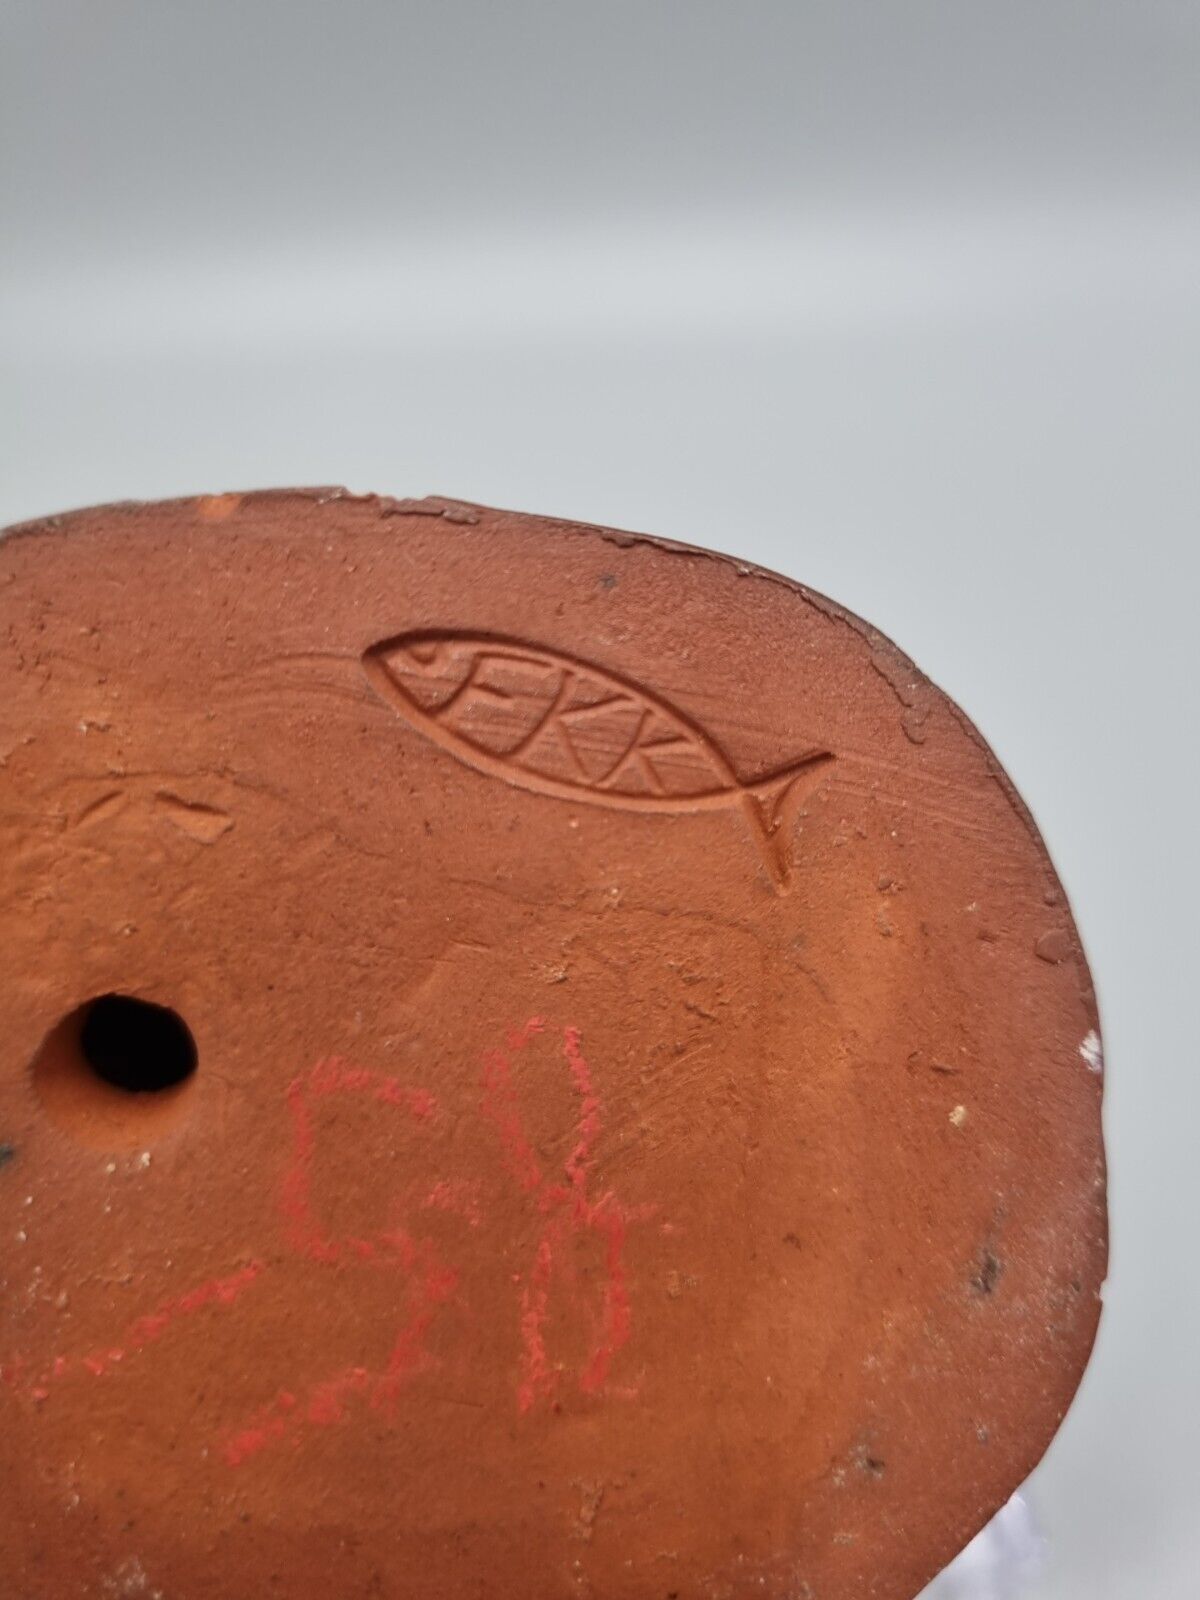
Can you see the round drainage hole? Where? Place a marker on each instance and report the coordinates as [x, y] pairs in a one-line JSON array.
[[136, 1046]]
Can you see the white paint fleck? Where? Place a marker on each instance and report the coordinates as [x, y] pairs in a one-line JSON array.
[[958, 1116], [130, 1579], [1093, 1055], [143, 1160]]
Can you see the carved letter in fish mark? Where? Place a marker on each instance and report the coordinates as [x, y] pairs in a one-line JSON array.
[[555, 725]]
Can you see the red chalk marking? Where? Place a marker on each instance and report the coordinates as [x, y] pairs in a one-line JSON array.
[[618, 1315], [145, 1330], [570, 1210], [500, 1107], [518, 1038], [539, 1377], [589, 1113], [607, 1217], [334, 1076], [430, 1281], [565, 1207], [325, 1403]]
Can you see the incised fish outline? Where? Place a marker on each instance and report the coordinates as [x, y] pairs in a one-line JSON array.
[[557, 725]]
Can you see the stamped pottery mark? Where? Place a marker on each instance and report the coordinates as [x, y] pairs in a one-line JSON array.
[[547, 722]]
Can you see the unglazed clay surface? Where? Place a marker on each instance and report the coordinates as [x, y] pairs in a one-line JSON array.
[[645, 1142]]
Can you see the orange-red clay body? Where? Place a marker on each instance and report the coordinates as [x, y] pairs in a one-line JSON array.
[[641, 1132]]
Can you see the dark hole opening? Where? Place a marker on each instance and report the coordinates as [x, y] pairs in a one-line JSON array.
[[136, 1046]]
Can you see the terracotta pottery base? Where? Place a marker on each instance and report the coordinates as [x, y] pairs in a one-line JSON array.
[[614, 1104]]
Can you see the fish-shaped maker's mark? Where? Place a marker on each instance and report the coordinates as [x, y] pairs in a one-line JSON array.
[[555, 725]]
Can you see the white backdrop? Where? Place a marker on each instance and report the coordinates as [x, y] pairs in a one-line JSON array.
[[903, 301]]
